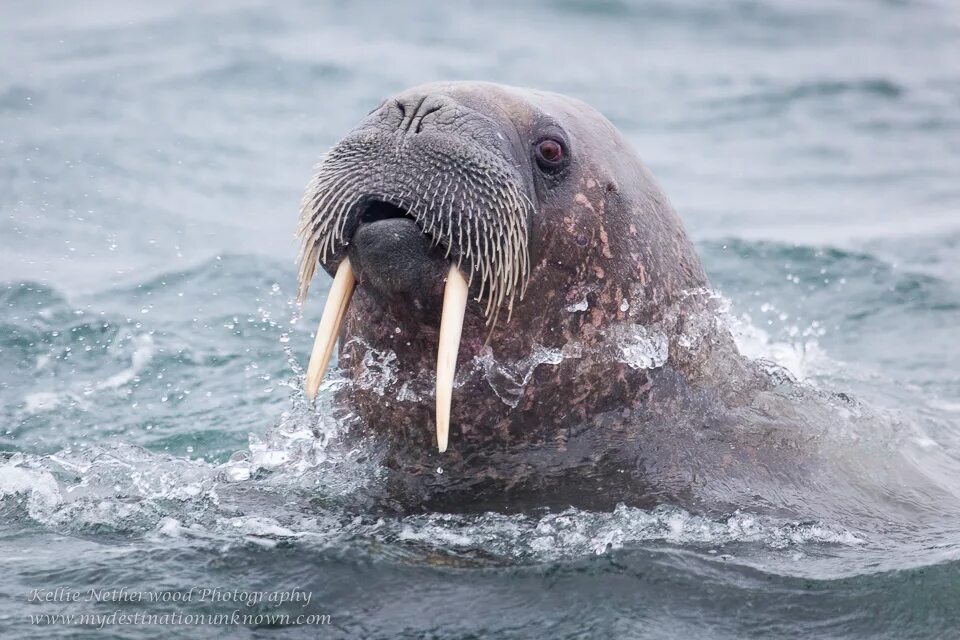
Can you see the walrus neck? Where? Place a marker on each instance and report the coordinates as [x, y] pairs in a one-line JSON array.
[[595, 354]]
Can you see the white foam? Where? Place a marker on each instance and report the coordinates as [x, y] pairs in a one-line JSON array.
[[576, 532], [40, 401], [801, 355], [143, 351], [261, 526], [38, 487]]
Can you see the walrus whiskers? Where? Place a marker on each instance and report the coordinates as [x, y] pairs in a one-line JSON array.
[[493, 237]]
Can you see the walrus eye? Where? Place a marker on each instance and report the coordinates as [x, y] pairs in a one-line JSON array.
[[550, 154]]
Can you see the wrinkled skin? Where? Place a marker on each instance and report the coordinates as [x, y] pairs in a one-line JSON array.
[[606, 251]]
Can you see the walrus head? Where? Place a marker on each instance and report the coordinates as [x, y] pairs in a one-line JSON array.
[[508, 233]]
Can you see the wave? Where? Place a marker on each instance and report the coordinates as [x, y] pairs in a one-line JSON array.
[[262, 497], [206, 346]]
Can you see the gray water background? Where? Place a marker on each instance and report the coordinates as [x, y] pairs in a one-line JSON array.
[[152, 157]]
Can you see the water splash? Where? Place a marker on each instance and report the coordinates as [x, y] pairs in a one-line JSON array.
[[639, 347], [129, 490], [574, 532], [509, 379], [636, 345]]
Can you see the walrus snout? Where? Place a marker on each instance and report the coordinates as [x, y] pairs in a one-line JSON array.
[[400, 265]]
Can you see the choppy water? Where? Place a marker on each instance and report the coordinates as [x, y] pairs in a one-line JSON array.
[[151, 162]]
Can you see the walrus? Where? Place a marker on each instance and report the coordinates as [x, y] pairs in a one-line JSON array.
[[521, 313]]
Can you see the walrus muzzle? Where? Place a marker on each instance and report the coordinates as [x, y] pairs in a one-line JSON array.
[[412, 209]]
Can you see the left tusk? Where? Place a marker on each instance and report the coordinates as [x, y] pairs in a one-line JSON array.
[[451, 326]]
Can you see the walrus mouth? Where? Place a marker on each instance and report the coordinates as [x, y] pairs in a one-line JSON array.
[[466, 199]]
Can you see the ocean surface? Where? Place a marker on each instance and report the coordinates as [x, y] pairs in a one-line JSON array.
[[153, 431]]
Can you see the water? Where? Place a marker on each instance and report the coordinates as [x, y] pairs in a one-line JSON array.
[[152, 158]]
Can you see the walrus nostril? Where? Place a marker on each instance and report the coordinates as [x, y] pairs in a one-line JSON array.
[[409, 107], [414, 110], [423, 114]]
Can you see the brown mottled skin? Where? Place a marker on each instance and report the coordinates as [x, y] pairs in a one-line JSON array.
[[704, 428]]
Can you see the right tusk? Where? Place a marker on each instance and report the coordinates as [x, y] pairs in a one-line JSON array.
[[334, 311], [451, 326]]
